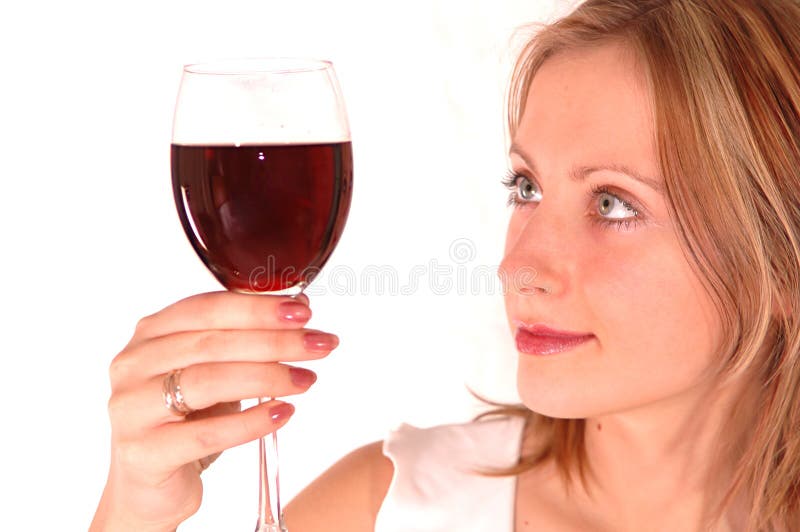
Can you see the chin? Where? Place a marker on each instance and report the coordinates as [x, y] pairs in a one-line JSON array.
[[555, 409], [555, 400], [556, 405]]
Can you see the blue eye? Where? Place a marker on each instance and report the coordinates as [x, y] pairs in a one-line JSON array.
[[524, 191], [606, 207]]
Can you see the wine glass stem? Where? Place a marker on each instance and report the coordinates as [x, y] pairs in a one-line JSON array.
[[270, 516]]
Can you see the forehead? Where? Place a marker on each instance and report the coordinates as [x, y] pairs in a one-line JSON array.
[[589, 103]]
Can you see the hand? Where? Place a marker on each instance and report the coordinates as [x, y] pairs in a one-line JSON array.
[[229, 347]]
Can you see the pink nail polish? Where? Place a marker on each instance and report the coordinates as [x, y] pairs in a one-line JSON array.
[[294, 311], [320, 341], [281, 412], [301, 377]]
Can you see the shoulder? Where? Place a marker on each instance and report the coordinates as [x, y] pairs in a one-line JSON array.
[[440, 471], [349, 493], [411, 464]]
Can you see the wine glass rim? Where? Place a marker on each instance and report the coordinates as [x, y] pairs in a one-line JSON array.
[[257, 65]]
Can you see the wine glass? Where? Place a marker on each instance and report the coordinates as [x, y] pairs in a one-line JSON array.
[[262, 179]]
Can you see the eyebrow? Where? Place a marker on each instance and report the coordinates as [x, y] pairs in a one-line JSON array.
[[580, 173]]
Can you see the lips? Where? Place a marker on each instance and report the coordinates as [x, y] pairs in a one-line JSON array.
[[542, 340]]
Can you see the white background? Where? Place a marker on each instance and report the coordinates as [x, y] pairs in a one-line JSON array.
[[91, 241]]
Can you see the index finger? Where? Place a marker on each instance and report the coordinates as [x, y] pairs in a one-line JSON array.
[[225, 310]]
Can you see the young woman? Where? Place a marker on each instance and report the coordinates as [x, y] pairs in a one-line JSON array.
[[654, 175]]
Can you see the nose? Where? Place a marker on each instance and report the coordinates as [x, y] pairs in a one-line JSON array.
[[538, 254]]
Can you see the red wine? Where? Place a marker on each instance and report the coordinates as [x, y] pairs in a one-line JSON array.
[[263, 218]]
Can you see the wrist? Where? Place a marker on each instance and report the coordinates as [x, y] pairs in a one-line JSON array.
[[110, 522], [119, 524], [112, 517]]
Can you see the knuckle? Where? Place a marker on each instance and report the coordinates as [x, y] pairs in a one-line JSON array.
[[210, 341], [267, 376], [121, 416], [211, 305], [254, 426], [276, 344], [119, 369], [115, 408], [143, 325], [194, 299], [207, 439], [196, 380], [273, 342], [201, 303]]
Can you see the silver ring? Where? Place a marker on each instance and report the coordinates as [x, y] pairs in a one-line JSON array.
[[173, 397]]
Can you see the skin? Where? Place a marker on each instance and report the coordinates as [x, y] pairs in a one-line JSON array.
[[644, 376], [640, 382], [231, 346]]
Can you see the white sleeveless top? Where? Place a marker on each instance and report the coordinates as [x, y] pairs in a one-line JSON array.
[[433, 488]]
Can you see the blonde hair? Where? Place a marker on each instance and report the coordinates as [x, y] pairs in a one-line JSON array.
[[724, 78]]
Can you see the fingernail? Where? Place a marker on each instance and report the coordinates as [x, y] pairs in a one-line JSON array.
[[294, 311], [302, 377], [320, 341], [281, 411], [303, 298]]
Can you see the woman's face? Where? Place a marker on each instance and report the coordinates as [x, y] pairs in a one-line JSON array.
[[654, 327]]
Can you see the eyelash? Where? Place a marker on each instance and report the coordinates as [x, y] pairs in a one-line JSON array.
[[510, 182]]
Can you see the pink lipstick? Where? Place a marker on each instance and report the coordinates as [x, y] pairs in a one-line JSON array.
[[542, 340]]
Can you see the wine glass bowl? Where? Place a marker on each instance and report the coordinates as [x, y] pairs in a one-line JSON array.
[[262, 170]]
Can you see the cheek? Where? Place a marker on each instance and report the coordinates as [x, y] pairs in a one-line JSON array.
[[653, 305], [655, 329]]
